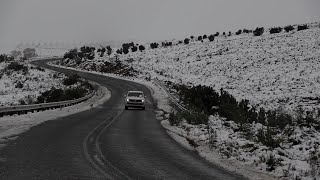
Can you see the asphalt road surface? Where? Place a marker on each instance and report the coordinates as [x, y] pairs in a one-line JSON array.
[[106, 142]]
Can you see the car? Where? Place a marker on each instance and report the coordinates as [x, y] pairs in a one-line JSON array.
[[135, 99]]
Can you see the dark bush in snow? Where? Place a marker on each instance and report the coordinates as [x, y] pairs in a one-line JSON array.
[[5, 58], [19, 85], [186, 40], [141, 48], [211, 37], [275, 30], [238, 32], [154, 45], [229, 33], [109, 50], [199, 38], [134, 48], [125, 51], [302, 27], [204, 37], [288, 28], [15, 66], [191, 37], [71, 80], [258, 31], [119, 51]]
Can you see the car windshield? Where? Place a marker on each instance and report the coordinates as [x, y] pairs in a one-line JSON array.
[[135, 94]]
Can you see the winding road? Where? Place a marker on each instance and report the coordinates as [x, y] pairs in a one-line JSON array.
[[106, 142]]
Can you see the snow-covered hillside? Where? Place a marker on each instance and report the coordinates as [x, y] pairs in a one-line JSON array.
[[18, 86], [278, 70]]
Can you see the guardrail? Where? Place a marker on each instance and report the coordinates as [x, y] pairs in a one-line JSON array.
[[171, 97], [23, 109]]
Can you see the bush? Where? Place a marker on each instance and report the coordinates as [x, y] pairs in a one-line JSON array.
[[229, 33], [154, 45], [74, 93], [275, 30], [15, 66], [191, 37], [186, 41], [302, 27], [19, 85], [119, 51], [204, 37], [125, 50], [109, 50], [5, 58], [268, 137], [73, 79], [258, 31], [211, 37], [288, 28], [238, 32], [141, 48], [134, 48]]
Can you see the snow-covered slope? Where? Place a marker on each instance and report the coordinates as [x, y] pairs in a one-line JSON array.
[[278, 70], [33, 82]]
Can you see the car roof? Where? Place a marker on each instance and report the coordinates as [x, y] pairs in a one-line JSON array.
[[135, 92]]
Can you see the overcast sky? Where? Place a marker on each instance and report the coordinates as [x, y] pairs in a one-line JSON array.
[[101, 20]]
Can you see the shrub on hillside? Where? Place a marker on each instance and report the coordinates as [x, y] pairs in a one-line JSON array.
[[186, 41], [246, 31], [217, 34], [154, 45], [191, 37], [211, 37], [6, 58], [141, 48], [275, 30], [119, 51], [229, 33], [71, 54], [239, 32], [204, 36], [199, 38], [19, 85], [109, 50], [71, 80], [288, 28], [302, 27], [134, 48], [125, 51], [15, 66], [74, 93], [258, 31]]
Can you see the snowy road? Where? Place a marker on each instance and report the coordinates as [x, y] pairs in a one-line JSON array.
[[105, 142]]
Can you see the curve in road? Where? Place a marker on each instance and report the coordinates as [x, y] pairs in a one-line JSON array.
[[105, 142]]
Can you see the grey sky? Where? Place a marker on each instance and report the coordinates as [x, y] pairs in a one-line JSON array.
[[101, 20]]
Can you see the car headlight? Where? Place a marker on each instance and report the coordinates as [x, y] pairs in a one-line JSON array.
[[142, 100], [127, 100]]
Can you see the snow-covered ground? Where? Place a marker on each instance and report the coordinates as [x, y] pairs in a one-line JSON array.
[[33, 83], [275, 71]]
